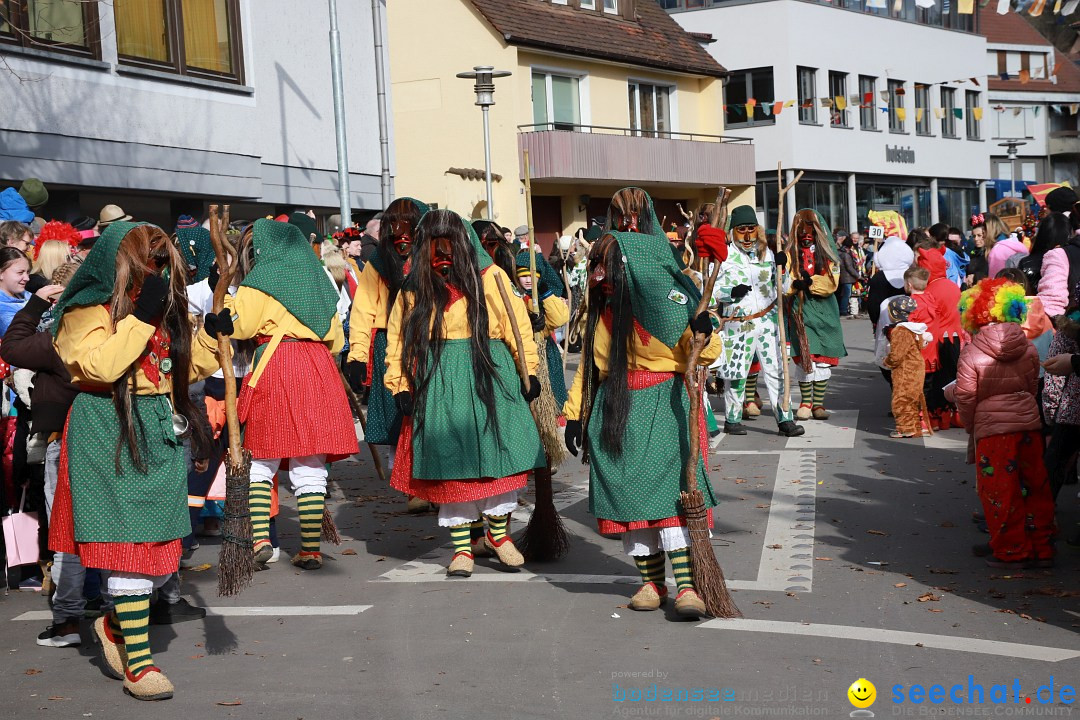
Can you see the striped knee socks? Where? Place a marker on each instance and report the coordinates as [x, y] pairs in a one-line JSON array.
[[310, 507], [806, 389], [133, 614], [751, 389], [680, 566], [461, 537], [820, 386], [497, 525], [651, 568], [476, 530], [259, 507]]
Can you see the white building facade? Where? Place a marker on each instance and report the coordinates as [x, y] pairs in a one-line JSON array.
[[163, 107], [867, 103]]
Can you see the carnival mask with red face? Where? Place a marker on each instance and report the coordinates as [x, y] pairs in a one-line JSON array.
[[598, 267], [442, 256], [401, 234], [805, 235], [628, 222]]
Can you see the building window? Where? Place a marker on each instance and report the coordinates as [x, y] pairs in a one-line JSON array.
[[838, 95], [63, 25], [650, 109], [611, 6], [744, 85], [922, 110], [588, 4], [189, 37], [556, 101], [948, 117], [897, 113], [971, 104], [868, 102], [807, 95]]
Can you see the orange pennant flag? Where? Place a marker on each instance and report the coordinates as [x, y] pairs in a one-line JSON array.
[[1025, 77], [777, 107]]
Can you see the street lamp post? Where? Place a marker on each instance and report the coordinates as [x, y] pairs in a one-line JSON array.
[[484, 87], [344, 202], [1010, 150]]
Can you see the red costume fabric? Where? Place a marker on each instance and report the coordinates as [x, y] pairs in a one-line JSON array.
[[711, 243], [1016, 496]]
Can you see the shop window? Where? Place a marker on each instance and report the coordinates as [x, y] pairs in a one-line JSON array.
[[807, 78], [188, 37], [897, 113], [948, 110], [868, 102], [741, 87], [650, 109], [838, 95], [974, 125], [69, 26], [556, 101], [922, 109]]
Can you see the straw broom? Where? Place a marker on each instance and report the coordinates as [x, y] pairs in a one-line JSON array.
[[236, 562], [708, 575]]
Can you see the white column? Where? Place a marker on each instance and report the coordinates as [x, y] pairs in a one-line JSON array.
[[853, 210], [982, 196], [789, 200], [935, 216]]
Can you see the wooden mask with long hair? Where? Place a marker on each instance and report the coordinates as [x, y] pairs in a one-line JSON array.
[[807, 221], [397, 231], [146, 250], [423, 331], [630, 211]]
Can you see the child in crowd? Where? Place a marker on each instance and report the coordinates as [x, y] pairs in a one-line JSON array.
[[944, 295], [996, 383], [905, 360], [926, 312]]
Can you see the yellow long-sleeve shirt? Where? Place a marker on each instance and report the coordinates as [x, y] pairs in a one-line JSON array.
[[95, 352], [456, 327], [370, 311], [653, 355], [820, 285], [556, 313]]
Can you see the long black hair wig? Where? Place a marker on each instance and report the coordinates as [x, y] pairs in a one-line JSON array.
[[401, 210], [609, 300], [422, 327]]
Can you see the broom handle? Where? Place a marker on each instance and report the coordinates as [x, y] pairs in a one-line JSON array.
[[522, 370], [226, 270], [781, 324], [694, 385], [532, 238]]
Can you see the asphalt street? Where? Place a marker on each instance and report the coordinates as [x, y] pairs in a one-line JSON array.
[[849, 553]]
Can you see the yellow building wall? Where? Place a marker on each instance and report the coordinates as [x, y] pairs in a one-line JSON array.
[[437, 126]]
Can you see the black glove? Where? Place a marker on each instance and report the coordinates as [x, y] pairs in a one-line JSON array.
[[151, 300], [781, 259], [533, 391], [739, 292], [356, 374], [404, 403], [801, 285], [219, 324], [573, 436], [214, 276], [702, 324], [537, 321]]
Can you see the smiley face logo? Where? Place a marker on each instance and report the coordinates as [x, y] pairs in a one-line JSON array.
[[862, 693]]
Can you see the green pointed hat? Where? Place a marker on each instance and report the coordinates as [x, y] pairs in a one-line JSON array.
[[664, 299], [287, 270], [95, 279]]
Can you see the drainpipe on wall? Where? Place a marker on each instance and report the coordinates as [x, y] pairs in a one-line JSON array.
[[345, 206], [380, 85]]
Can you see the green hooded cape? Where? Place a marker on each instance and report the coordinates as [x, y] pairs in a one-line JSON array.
[[93, 282], [657, 230], [197, 250], [287, 270]]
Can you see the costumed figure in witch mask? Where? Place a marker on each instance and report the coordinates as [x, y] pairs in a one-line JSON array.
[[195, 247], [554, 313], [124, 334], [629, 408], [468, 439], [814, 330], [380, 283], [292, 402], [746, 288]]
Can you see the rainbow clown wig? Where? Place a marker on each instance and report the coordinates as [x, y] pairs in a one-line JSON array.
[[992, 301]]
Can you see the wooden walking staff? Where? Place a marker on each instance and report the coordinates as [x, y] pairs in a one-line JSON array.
[[708, 575], [781, 324], [236, 562]]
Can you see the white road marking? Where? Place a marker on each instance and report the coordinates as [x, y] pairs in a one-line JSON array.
[[898, 637], [836, 433], [424, 572], [250, 611]]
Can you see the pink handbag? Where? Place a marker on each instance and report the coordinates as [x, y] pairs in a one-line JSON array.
[[21, 536]]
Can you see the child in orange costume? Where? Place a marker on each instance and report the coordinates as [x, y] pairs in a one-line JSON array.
[[906, 341]]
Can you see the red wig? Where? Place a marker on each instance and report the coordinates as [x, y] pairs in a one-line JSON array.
[[56, 230]]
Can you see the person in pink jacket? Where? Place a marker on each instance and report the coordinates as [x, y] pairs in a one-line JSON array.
[[1055, 232], [996, 381]]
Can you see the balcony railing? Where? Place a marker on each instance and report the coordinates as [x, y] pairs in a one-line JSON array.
[[905, 10], [614, 155]]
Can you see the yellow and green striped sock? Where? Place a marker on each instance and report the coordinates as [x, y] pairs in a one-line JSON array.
[[310, 507], [114, 626], [651, 568], [806, 389], [497, 525], [259, 507], [461, 537], [133, 613], [751, 388], [680, 566], [820, 386]]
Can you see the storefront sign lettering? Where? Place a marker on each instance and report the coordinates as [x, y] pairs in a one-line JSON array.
[[899, 155]]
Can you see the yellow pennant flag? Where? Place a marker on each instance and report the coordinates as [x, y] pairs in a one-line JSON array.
[[939, 113], [901, 114], [919, 112], [967, 7], [977, 112], [789, 104], [750, 111], [841, 102]]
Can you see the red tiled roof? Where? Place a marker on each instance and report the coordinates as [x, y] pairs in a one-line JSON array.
[[651, 39], [1012, 28]]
